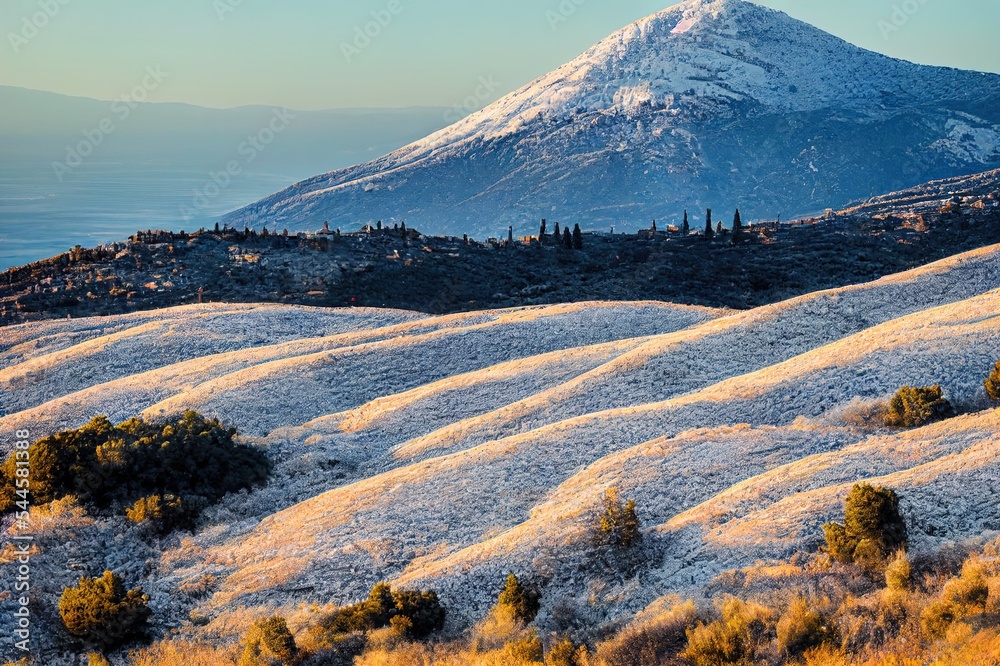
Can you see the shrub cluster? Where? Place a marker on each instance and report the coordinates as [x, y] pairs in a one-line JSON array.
[[873, 529], [102, 613], [913, 407], [618, 524], [422, 611], [740, 636], [269, 641], [166, 471]]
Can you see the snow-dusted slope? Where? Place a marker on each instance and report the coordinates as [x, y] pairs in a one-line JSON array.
[[710, 102], [445, 452], [492, 506]]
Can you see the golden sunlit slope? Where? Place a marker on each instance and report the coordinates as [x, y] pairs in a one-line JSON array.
[[445, 452]]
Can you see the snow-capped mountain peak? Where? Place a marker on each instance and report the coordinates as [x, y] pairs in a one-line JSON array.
[[719, 103]]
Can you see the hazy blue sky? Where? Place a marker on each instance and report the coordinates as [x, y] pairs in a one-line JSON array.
[[432, 52]]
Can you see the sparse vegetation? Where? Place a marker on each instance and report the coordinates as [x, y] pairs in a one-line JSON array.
[[652, 639], [930, 620], [102, 613], [740, 636], [801, 628], [873, 529], [772, 264], [915, 407]]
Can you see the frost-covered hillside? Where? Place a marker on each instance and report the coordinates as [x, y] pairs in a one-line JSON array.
[[709, 103], [445, 452]]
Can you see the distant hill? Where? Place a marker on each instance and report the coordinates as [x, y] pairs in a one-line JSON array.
[[768, 262]]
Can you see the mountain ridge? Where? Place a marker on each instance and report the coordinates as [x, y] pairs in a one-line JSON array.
[[708, 100]]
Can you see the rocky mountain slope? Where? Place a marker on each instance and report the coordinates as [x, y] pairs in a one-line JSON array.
[[708, 103], [446, 451]]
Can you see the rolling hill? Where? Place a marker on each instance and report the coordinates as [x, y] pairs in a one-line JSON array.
[[447, 451]]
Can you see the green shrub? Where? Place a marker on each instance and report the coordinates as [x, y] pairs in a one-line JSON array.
[[618, 524], [873, 529], [740, 636], [993, 383], [61, 465], [164, 512], [269, 639], [913, 407], [102, 613], [801, 628], [523, 602], [112, 467], [566, 653], [423, 610]]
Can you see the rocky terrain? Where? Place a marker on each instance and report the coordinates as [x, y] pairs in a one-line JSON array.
[[380, 268]]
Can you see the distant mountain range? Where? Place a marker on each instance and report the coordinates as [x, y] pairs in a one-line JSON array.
[[710, 103], [146, 172]]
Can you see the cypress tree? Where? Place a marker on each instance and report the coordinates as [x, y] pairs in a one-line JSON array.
[[737, 222], [558, 233], [523, 602], [577, 237], [618, 524], [567, 239], [686, 228], [510, 234], [541, 232], [402, 228], [709, 231]]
